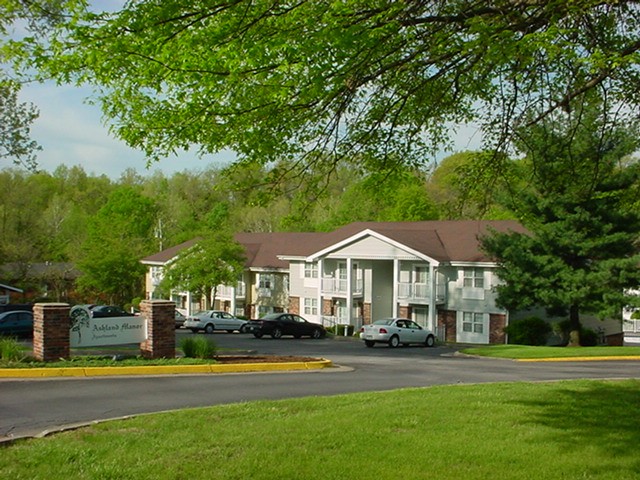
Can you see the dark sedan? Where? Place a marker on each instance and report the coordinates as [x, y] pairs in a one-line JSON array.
[[102, 311], [278, 324], [17, 323]]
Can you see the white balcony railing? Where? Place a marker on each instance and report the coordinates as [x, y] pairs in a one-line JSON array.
[[631, 326], [337, 286], [226, 291], [264, 292], [419, 291]]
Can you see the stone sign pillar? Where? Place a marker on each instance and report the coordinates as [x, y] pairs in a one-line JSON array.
[[51, 331], [161, 329]]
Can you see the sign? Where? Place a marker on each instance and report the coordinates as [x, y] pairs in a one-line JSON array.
[[86, 331]]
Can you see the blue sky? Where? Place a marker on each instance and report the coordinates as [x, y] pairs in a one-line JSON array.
[[71, 132]]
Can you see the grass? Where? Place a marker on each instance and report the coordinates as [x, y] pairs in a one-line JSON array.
[[561, 430], [526, 352]]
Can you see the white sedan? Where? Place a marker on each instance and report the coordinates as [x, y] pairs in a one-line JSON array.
[[396, 331], [211, 320]]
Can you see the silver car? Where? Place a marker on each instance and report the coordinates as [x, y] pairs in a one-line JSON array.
[[211, 320], [396, 331]]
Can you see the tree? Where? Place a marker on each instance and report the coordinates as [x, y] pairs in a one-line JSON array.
[[36, 19], [15, 121], [119, 235], [376, 84], [214, 260], [581, 209]]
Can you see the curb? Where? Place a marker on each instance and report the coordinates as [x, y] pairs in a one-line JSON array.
[[580, 359], [161, 369]]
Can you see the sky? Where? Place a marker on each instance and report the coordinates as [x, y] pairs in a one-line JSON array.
[[72, 132]]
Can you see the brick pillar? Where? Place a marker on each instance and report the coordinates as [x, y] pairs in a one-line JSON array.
[[404, 311], [161, 329], [51, 324], [327, 306]]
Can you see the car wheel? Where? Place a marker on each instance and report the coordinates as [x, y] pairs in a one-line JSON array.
[[430, 341], [243, 329], [277, 333], [257, 335], [369, 343], [209, 328], [394, 341], [317, 333]]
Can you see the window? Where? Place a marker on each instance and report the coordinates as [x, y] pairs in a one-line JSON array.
[[310, 306], [473, 277], [310, 270], [420, 274], [265, 280], [472, 322]]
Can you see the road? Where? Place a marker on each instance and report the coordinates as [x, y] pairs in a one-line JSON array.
[[31, 407]]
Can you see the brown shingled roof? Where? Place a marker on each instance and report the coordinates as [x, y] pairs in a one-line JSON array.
[[444, 241]]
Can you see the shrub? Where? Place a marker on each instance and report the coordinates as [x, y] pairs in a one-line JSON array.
[[528, 331], [198, 347], [11, 350]]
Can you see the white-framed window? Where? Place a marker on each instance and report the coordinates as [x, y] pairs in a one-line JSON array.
[[311, 306], [310, 270], [472, 322], [473, 277], [266, 280]]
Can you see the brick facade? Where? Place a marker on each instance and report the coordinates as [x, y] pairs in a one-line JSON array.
[[161, 324], [447, 324], [51, 324], [497, 322], [404, 311], [294, 305], [366, 313]]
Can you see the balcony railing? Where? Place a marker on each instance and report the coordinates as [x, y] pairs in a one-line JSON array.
[[631, 326], [337, 286], [420, 291], [226, 291]]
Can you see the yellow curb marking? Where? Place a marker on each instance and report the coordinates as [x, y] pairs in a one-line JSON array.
[[160, 369]]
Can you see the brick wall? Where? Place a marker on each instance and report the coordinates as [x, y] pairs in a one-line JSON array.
[[404, 312], [366, 313], [447, 324], [51, 324], [497, 322], [294, 305]]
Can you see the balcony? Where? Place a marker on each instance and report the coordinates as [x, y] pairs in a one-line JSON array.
[[631, 326], [420, 292], [226, 291], [337, 286]]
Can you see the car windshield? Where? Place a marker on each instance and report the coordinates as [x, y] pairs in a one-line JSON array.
[[384, 321], [271, 316]]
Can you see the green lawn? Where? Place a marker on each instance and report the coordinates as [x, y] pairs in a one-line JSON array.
[[560, 430], [525, 351]]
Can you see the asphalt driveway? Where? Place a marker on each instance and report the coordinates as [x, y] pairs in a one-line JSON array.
[[34, 407]]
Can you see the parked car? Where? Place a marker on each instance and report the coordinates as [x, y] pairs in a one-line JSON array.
[[211, 320], [279, 324], [17, 323], [180, 319], [101, 311], [396, 331]]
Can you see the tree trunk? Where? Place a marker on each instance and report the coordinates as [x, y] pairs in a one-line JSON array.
[[574, 327]]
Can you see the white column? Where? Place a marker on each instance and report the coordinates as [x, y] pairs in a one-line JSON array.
[[396, 277], [432, 321], [319, 293], [349, 290]]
